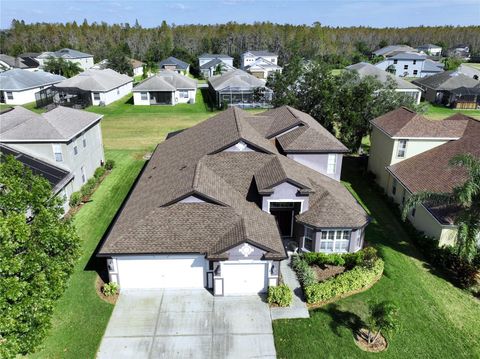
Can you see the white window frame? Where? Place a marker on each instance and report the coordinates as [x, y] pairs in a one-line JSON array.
[[334, 236], [9, 95], [95, 94], [402, 148], [144, 96], [75, 148], [331, 163], [183, 93], [57, 150], [311, 238]]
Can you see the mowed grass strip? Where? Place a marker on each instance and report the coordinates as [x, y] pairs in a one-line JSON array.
[[437, 320], [80, 316]]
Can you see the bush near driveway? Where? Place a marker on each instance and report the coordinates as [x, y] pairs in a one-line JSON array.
[[280, 295]]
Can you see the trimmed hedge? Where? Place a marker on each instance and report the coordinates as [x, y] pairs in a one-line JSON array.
[[280, 295], [99, 172], [365, 257], [305, 273], [75, 199], [349, 281]]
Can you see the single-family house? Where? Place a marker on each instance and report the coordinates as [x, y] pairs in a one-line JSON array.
[[411, 154], [410, 64], [9, 62], [173, 64], [430, 49], [137, 67], [239, 88], [366, 69], [461, 50], [19, 86], [392, 50], [83, 59], [437, 88], [165, 88], [262, 68], [214, 64], [63, 138], [249, 57], [217, 203], [93, 87]]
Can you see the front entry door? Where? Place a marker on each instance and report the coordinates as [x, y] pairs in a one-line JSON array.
[[284, 213]]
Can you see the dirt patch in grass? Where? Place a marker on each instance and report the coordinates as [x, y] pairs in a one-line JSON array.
[[99, 283], [327, 271], [362, 342]]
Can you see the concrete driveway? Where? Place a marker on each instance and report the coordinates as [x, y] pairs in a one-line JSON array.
[[187, 324]]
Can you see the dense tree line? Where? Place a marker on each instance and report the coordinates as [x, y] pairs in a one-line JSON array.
[[334, 44]]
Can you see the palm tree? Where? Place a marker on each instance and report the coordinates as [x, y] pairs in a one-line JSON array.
[[467, 197], [62, 67], [219, 69]]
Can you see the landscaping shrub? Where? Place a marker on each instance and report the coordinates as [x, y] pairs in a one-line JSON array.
[[87, 188], [349, 281], [99, 172], [75, 199], [305, 273], [322, 259], [109, 165], [110, 289], [280, 295]]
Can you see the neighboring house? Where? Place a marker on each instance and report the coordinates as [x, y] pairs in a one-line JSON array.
[[410, 64], [29, 59], [137, 67], [366, 69], [165, 88], [8, 62], [392, 50], [97, 87], [411, 154], [262, 68], [430, 49], [174, 64], [84, 60], [461, 50], [217, 202], [18, 86], [63, 137], [249, 57], [469, 71], [437, 88], [101, 65], [209, 63], [59, 178], [239, 88]]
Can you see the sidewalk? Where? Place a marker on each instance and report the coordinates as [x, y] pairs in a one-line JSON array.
[[298, 309]]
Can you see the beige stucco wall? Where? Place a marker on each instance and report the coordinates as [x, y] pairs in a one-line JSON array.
[[415, 147], [381, 152]]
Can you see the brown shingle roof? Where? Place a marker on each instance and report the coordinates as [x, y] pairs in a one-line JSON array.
[[405, 123], [431, 171], [192, 163]]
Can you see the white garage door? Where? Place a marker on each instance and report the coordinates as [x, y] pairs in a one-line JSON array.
[[244, 278], [174, 271]]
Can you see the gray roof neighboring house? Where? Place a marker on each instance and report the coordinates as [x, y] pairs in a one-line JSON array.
[[56, 176], [65, 54], [408, 55], [173, 61], [13, 62], [192, 163], [166, 81], [58, 125], [366, 69], [428, 46], [96, 80], [388, 50], [263, 63], [447, 80], [19, 79], [261, 53], [214, 56], [432, 66], [235, 79], [214, 63]]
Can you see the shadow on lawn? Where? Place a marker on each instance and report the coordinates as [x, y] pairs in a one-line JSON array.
[[341, 319]]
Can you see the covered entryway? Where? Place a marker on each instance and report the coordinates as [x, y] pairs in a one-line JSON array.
[[244, 277], [284, 213], [161, 271], [161, 98]]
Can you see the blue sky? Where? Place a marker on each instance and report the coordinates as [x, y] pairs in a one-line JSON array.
[[375, 13]]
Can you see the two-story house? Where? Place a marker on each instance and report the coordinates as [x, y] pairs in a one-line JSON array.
[[214, 64], [260, 64], [410, 64], [84, 60], [411, 154], [66, 138], [218, 202], [430, 49]]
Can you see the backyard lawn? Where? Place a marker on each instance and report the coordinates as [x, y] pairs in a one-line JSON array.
[[80, 316], [437, 112], [437, 319]]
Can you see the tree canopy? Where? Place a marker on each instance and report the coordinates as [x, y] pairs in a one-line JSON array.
[[38, 250], [62, 67]]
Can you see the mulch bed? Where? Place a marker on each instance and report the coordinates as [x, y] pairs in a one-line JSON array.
[[361, 340], [327, 271], [99, 283]]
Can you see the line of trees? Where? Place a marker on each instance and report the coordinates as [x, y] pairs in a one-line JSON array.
[[332, 44]]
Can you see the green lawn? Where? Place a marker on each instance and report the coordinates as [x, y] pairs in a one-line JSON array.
[[472, 64], [126, 126], [80, 316], [437, 319], [437, 112]]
